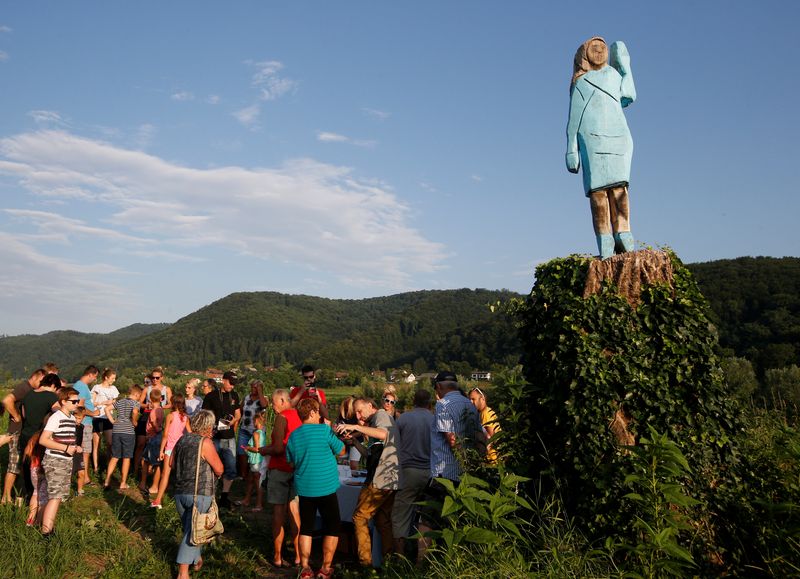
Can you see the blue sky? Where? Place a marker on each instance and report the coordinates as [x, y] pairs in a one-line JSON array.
[[157, 156]]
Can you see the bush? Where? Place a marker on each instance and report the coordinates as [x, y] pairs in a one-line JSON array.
[[601, 371]]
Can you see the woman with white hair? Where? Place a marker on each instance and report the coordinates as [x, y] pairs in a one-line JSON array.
[[184, 465]]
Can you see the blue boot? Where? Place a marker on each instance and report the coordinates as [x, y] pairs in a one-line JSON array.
[[624, 240], [605, 244]]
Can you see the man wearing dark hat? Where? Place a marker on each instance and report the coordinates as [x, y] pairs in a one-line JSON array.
[[455, 420], [224, 403]]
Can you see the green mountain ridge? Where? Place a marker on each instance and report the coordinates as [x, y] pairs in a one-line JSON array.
[[20, 355], [755, 304]]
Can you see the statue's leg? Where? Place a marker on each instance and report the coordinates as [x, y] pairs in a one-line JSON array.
[[620, 218], [601, 219]]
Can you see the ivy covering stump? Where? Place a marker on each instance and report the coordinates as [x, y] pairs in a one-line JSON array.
[[612, 348]]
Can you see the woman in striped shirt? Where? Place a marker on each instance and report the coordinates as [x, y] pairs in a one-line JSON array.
[[58, 437]]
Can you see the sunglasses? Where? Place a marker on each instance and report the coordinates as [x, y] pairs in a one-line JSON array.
[[479, 391], [390, 401], [156, 378], [308, 377], [73, 401]]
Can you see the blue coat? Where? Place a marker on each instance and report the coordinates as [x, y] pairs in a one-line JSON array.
[[597, 132]]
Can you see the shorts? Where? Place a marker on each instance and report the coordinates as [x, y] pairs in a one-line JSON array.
[[14, 455], [141, 424], [58, 473], [243, 440], [328, 507], [152, 450], [122, 445], [100, 425], [280, 487], [86, 443], [77, 463]]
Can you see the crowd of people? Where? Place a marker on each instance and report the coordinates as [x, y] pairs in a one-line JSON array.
[[59, 434]]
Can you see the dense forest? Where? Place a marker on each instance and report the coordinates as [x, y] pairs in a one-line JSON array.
[[420, 329], [755, 305], [21, 354]]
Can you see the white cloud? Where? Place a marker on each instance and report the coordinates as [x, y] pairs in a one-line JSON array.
[[36, 289], [376, 114], [476, 178], [144, 135], [4, 56], [304, 213], [5, 29], [270, 83], [248, 116], [213, 99], [42, 117], [331, 138], [182, 96], [62, 227], [327, 137], [425, 186]]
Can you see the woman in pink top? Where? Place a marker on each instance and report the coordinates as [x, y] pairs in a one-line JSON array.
[[177, 423]]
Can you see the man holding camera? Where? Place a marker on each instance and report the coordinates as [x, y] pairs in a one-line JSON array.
[[225, 405], [309, 390], [383, 476]]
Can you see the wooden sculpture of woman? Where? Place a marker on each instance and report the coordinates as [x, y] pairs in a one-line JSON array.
[[598, 138]]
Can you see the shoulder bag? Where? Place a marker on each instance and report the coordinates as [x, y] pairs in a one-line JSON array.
[[205, 526]]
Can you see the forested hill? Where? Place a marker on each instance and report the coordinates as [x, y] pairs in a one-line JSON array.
[[756, 304], [272, 328], [22, 354]]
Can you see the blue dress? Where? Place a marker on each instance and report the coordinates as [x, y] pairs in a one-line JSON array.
[[597, 132]]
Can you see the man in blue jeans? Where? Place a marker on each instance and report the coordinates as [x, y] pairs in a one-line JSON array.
[[224, 403]]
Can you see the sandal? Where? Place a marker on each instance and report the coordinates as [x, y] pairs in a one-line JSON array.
[[256, 510], [325, 574], [199, 565], [306, 573], [281, 565]]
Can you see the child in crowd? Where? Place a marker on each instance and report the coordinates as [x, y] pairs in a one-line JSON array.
[[58, 437], [193, 402], [123, 435], [151, 462], [255, 462], [34, 453], [177, 423], [77, 460]]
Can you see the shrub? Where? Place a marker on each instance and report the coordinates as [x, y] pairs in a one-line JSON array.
[[601, 371]]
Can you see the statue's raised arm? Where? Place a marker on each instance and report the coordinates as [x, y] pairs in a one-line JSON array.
[[621, 61], [598, 139]]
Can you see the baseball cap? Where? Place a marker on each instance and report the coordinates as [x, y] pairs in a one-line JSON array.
[[445, 377]]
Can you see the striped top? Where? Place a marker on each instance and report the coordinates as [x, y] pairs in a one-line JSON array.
[[63, 428], [453, 413], [124, 408], [312, 449]]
